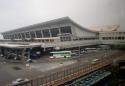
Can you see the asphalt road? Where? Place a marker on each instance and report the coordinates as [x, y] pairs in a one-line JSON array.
[[42, 66]]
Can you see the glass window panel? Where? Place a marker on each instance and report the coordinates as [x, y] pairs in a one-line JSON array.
[[12, 36], [23, 35], [27, 35], [32, 33], [66, 29], [54, 32], [5, 36], [15, 36], [38, 34], [19, 35], [46, 33]]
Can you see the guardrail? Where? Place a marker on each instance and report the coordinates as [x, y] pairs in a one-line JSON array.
[[70, 73], [66, 75]]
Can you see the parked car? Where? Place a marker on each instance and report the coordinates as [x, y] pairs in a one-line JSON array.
[[35, 54], [19, 81], [51, 57], [29, 60]]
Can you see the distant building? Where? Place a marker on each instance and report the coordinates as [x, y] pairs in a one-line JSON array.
[[112, 38], [105, 28]]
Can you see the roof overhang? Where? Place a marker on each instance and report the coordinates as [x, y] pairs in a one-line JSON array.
[[28, 45]]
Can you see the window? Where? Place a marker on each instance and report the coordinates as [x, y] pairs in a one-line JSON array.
[[12, 36], [15, 36], [23, 35], [54, 32], [19, 35], [68, 39], [116, 38], [123, 38], [66, 29], [46, 33], [109, 38], [32, 33], [27, 35], [38, 34], [62, 38], [119, 38], [7, 36], [112, 38], [46, 40]]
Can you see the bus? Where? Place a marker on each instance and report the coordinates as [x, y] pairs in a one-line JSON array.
[[90, 49], [59, 54]]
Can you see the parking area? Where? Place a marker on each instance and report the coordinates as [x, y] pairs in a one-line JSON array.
[[10, 70]]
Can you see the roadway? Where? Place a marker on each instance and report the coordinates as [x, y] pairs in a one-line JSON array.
[[43, 66]]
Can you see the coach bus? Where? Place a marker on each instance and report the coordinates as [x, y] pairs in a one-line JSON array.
[[59, 54]]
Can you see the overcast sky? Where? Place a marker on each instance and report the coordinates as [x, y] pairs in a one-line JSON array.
[[19, 13]]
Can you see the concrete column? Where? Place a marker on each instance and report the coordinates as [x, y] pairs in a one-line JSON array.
[[35, 34], [23, 55], [59, 30], [79, 50], [29, 53], [29, 34], [42, 33]]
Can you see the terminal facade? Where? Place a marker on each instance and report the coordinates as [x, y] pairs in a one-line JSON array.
[[62, 33]]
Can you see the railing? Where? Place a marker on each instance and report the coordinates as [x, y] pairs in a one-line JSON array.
[[68, 74], [71, 72], [89, 79]]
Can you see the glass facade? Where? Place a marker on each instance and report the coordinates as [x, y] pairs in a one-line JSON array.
[[27, 35], [19, 35], [8, 36], [32, 33], [5, 37], [12, 36], [46, 33], [23, 35], [15, 36], [66, 29], [38, 34], [54, 32]]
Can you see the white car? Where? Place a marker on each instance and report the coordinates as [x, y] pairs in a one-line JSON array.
[[51, 57], [19, 81], [94, 61]]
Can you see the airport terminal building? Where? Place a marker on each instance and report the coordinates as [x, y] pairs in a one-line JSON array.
[[61, 33], [58, 34]]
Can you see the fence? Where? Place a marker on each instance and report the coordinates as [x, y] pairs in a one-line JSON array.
[[70, 73], [67, 74]]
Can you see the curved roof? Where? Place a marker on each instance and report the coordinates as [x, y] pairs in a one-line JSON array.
[[49, 23]]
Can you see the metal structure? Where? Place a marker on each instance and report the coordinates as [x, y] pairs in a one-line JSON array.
[[90, 79], [70, 73]]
